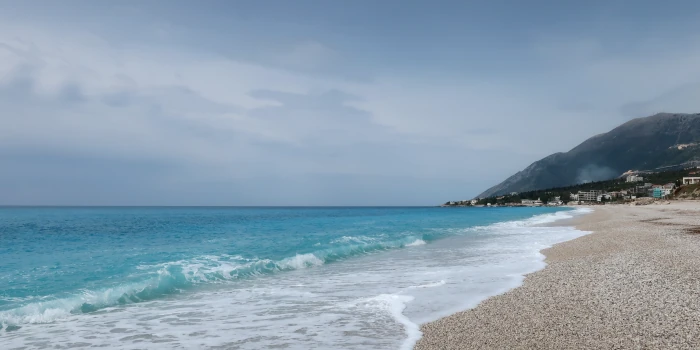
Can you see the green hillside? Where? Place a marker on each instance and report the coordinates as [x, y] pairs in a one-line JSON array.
[[640, 144]]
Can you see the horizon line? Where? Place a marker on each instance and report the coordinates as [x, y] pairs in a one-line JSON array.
[[208, 206]]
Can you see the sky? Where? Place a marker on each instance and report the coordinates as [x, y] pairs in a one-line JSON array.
[[320, 102]]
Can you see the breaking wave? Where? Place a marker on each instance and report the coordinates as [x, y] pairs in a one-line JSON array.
[[161, 280], [177, 276]]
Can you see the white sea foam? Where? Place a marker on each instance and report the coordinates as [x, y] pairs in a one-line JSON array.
[[354, 239], [535, 220], [301, 261], [394, 304], [415, 243], [560, 215], [428, 285]]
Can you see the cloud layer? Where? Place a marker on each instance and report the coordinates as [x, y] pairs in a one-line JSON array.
[[90, 118]]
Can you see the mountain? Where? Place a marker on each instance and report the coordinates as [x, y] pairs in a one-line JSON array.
[[647, 143]]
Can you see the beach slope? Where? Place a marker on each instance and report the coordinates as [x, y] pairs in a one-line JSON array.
[[633, 283]]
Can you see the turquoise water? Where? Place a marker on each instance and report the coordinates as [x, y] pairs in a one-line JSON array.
[[64, 267]]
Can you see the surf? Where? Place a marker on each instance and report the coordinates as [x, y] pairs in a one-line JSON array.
[[306, 270]]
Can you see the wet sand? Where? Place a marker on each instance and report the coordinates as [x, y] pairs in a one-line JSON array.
[[634, 283]]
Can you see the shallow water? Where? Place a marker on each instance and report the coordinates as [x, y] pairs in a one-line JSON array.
[[251, 278]]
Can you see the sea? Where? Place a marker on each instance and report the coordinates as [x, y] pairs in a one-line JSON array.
[[256, 278]]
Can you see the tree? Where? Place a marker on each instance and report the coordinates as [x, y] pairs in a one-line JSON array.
[[565, 196]]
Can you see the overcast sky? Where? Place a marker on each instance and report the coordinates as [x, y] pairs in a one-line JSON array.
[[320, 102]]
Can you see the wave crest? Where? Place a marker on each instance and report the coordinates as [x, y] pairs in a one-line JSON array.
[[176, 276]]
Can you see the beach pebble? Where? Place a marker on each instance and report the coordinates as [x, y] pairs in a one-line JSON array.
[[632, 284]]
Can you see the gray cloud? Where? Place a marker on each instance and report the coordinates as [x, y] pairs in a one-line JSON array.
[[325, 111], [172, 116], [681, 99], [336, 154]]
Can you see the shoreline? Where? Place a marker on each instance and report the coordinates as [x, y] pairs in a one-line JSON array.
[[630, 283]]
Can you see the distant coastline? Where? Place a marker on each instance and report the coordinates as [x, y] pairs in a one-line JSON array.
[[658, 143], [632, 187]]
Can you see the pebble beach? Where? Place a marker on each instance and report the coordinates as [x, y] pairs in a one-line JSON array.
[[633, 283]]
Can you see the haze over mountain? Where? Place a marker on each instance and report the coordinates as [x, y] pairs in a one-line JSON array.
[[641, 144]]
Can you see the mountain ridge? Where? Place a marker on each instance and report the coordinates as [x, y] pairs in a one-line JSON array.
[[641, 144]]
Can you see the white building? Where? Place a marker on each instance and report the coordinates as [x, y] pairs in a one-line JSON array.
[[531, 201], [589, 196], [691, 180], [605, 196], [573, 197], [634, 178], [474, 201]]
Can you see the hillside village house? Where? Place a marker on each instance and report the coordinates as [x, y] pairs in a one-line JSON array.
[[531, 202], [691, 180], [643, 188], [617, 194], [555, 201], [653, 190], [605, 196], [634, 178], [589, 196], [668, 189]]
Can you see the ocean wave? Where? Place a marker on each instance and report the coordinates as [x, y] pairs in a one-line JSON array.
[[354, 239], [416, 243], [535, 220], [552, 217], [160, 280], [177, 276]]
